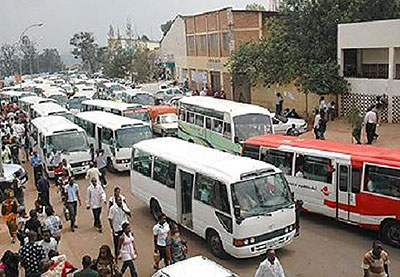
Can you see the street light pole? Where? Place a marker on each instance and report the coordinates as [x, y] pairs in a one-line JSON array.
[[40, 24]]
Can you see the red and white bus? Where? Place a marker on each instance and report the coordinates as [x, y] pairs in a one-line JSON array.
[[357, 184]]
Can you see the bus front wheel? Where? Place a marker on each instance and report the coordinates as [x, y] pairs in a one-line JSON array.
[[215, 244], [155, 209], [391, 232]]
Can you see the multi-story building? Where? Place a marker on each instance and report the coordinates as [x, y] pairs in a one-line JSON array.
[[369, 59], [210, 39]]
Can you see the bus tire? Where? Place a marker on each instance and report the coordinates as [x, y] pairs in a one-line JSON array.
[[215, 244], [391, 232], [191, 141], [155, 209]]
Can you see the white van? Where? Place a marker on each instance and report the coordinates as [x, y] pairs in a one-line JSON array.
[[26, 103], [114, 134], [52, 135], [47, 109], [198, 266]]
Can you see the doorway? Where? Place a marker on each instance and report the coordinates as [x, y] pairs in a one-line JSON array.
[[186, 180]]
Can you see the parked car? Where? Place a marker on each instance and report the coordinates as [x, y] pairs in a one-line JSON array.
[[282, 124], [195, 267], [168, 93]]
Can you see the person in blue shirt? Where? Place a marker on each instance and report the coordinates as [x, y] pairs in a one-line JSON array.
[[36, 162]]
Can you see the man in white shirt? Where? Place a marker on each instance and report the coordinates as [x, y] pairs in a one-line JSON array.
[[118, 214], [160, 233], [72, 193], [95, 198], [370, 121], [270, 267], [93, 172], [48, 242]]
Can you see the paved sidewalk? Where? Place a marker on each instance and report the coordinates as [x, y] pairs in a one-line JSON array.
[[339, 130]]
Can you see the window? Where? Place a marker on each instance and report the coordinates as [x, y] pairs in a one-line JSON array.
[[199, 120], [89, 129], [211, 192], [182, 115], [213, 41], [107, 135], [190, 43], [343, 178], [356, 180], [190, 118], [375, 71], [217, 126], [225, 41], [227, 130], [117, 112], [381, 180], [280, 159], [203, 43], [142, 162], [251, 151], [314, 168], [208, 123], [164, 172]]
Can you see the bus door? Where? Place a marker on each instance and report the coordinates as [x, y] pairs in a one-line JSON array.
[[343, 191], [99, 137], [185, 196]]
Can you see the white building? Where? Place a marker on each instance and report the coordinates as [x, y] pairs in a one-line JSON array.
[[369, 58], [173, 49]]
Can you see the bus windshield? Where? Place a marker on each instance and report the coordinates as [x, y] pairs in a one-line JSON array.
[[75, 103], [251, 125], [61, 99], [143, 115], [262, 195], [143, 98], [129, 136], [164, 119], [67, 142]]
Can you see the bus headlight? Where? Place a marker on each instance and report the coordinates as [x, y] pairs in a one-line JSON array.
[[252, 240]]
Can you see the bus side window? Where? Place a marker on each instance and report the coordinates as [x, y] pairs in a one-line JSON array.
[[382, 180], [204, 189], [208, 123], [199, 120], [227, 130], [280, 159], [182, 116], [142, 162], [217, 126], [318, 169], [190, 117], [107, 135], [90, 129], [356, 180], [221, 197], [164, 172]]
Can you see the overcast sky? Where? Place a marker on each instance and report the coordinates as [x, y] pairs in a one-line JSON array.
[[62, 18]]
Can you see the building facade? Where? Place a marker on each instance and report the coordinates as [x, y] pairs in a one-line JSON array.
[[369, 59], [210, 39]]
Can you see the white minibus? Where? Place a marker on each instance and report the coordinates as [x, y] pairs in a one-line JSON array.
[[46, 109], [239, 206], [134, 111], [26, 103], [54, 135], [56, 94], [13, 96], [138, 97], [114, 134]]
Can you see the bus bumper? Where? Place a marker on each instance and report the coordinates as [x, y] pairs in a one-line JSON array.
[[262, 247], [122, 166], [80, 170]]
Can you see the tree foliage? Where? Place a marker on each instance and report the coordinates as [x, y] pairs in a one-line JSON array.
[[255, 7], [144, 64], [118, 63], [50, 61], [301, 44], [85, 48], [8, 59], [166, 26]]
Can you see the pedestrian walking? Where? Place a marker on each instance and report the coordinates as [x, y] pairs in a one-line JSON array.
[[270, 267], [293, 131], [127, 250], [9, 210], [72, 198], [93, 172], [33, 224], [105, 264], [36, 162], [21, 221], [176, 247], [331, 111], [376, 261], [5, 154], [53, 223], [370, 122], [9, 264], [43, 187], [14, 149], [117, 194], [95, 198], [48, 242], [86, 270], [279, 104], [19, 191], [160, 235], [118, 215], [357, 123], [30, 255], [101, 163], [66, 168]]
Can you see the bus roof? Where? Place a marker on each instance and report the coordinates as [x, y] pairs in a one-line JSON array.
[[36, 100], [111, 104], [47, 108], [109, 120], [227, 106], [51, 125], [359, 153], [17, 93], [220, 165]]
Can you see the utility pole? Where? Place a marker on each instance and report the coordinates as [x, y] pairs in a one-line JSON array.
[[21, 36]]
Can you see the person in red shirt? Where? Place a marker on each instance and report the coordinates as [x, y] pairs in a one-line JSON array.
[[58, 263]]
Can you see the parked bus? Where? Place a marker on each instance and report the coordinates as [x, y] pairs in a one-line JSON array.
[[46, 109], [221, 124], [56, 94], [240, 206], [13, 96], [357, 184], [26, 103], [57, 136], [134, 111], [138, 97], [114, 134]]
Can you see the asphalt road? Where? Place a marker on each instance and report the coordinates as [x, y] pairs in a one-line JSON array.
[[324, 248]]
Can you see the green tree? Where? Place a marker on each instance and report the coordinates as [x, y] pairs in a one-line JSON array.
[[255, 7], [50, 61], [301, 44], [166, 26], [85, 48], [118, 63], [8, 59], [144, 64]]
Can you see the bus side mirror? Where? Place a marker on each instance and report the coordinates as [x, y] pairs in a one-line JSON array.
[[236, 211], [236, 139]]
